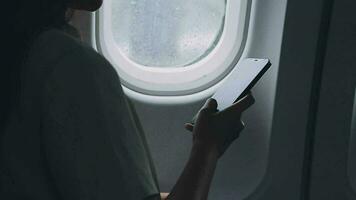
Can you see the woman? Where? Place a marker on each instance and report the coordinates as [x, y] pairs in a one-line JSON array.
[[68, 131]]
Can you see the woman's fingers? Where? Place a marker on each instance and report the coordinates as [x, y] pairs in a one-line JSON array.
[[211, 104], [189, 127], [240, 106], [244, 103], [209, 108]]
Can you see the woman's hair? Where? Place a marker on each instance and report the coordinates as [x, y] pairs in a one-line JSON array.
[[22, 21]]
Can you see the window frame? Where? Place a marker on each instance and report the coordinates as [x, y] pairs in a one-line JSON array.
[[154, 83], [351, 173]]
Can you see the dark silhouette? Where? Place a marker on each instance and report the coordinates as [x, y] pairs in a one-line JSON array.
[[67, 129], [23, 21]]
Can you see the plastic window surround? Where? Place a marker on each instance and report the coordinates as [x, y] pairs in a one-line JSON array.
[[177, 85]]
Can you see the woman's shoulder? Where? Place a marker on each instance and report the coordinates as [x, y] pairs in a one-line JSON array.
[[54, 44], [59, 51]]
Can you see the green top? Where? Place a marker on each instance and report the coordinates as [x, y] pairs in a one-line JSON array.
[[75, 135]]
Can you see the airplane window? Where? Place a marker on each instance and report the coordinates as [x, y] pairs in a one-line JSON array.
[[352, 155], [172, 48], [161, 33], [240, 28]]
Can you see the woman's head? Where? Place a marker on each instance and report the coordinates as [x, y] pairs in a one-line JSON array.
[[48, 12], [22, 21]]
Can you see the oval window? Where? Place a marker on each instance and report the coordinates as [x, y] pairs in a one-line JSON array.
[[161, 33], [176, 47]]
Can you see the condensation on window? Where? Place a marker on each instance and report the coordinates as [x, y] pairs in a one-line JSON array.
[[167, 33], [352, 155]]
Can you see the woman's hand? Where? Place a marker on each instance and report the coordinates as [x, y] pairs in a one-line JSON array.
[[213, 133], [217, 130]]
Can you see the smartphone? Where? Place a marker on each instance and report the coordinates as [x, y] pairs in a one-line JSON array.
[[244, 76]]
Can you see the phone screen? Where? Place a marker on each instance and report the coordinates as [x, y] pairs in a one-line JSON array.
[[240, 81]]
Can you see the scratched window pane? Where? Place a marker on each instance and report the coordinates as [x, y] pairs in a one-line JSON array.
[[167, 33]]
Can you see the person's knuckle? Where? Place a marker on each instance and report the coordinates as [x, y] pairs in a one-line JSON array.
[[204, 111], [214, 102]]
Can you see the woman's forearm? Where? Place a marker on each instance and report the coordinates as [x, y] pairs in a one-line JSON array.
[[194, 182]]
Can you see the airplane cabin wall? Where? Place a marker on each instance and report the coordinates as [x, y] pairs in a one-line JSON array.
[[243, 167], [332, 174], [268, 161]]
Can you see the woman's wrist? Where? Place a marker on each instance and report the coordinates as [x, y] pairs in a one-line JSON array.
[[209, 150]]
